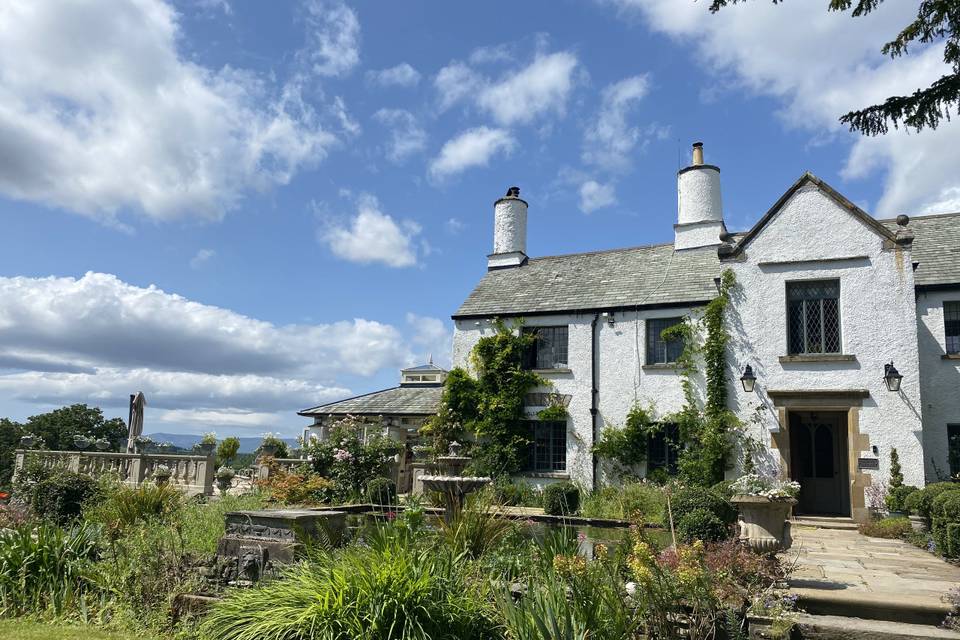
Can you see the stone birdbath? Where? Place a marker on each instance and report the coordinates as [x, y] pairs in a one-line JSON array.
[[452, 485]]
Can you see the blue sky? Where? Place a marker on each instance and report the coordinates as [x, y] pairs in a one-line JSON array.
[[247, 208]]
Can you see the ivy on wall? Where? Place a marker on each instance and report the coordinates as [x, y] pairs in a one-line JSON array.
[[626, 446], [708, 430], [489, 406]]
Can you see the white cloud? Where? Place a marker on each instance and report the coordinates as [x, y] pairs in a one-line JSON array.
[[372, 236], [456, 82], [455, 226], [594, 195], [542, 86], [434, 336], [201, 258], [491, 54], [99, 113], [759, 46], [471, 148], [96, 339], [347, 124], [407, 137], [609, 139], [333, 38], [402, 75], [520, 96]]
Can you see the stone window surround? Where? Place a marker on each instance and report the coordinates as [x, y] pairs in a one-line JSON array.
[[849, 401]]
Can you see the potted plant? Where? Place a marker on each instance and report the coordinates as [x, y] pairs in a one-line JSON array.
[[102, 444], [764, 503], [81, 441], [207, 443], [224, 478], [161, 474], [29, 441], [140, 444], [421, 452], [270, 445]]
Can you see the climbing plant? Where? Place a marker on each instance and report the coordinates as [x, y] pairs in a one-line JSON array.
[[626, 446], [489, 406], [707, 428]]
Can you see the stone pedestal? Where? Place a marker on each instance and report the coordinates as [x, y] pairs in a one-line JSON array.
[[418, 470], [764, 524], [256, 540]]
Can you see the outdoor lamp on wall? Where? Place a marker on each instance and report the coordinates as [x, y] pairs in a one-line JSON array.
[[892, 377], [748, 380]]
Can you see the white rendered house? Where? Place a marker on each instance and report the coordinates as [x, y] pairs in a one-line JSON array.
[[826, 298]]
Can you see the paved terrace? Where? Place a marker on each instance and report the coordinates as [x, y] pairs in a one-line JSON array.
[[840, 572]]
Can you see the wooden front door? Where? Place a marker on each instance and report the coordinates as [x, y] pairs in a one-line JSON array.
[[818, 455]]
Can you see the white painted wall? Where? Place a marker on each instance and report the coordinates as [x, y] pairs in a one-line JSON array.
[[939, 380], [878, 322], [622, 379], [510, 225]]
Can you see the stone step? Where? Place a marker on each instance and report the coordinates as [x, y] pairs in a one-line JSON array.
[[824, 522], [816, 627], [906, 608]]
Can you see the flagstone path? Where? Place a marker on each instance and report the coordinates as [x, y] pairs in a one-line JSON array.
[[841, 572]]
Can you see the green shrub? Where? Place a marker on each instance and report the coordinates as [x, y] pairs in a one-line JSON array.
[[397, 590], [897, 497], [635, 501], [947, 505], [701, 524], [382, 491], [924, 503], [517, 494], [688, 499], [61, 495], [123, 506], [887, 528], [723, 489], [951, 537], [912, 501], [561, 499], [44, 569]]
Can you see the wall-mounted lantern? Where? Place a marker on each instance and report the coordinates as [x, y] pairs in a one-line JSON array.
[[892, 377], [748, 380], [609, 318]]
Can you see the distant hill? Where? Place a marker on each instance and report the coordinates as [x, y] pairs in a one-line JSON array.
[[187, 440]]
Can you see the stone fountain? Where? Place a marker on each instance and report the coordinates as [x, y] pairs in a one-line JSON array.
[[452, 484]]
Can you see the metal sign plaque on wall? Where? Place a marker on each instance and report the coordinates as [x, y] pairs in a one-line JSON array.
[[868, 463]]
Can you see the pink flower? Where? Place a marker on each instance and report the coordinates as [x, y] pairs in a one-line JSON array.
[[341, 455], [391, 515]]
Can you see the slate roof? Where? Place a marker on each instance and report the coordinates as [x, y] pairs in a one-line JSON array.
[[407, 400], [936, 246], [602, 279], [643, 276], [423, 367]]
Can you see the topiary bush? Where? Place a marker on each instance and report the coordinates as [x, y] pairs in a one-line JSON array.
[[723, 489], [688, 499], [382, 491], [701, 524], [924, 503], [897, 497], [561, 499]]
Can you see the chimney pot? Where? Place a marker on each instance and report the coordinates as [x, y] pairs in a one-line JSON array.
[[697, 153], [509, 231]]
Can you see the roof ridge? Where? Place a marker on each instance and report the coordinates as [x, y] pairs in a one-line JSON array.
[[925, 216], [600, 251]]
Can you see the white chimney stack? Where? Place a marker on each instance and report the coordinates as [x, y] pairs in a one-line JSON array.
[[699, 207], [509, 231]]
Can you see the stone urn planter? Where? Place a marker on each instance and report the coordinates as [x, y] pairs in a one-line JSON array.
[[268, 450], [81, 442], [224, 478], [161, 475], [28, 441], [102, 444], [764, 524]]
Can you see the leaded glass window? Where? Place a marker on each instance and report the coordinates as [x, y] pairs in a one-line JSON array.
[[951, 321], [549, 349], [548, 449], [813, 316], [663, 449], [660, 351]]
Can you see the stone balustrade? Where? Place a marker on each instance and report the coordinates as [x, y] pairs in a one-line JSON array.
[[192, 474]]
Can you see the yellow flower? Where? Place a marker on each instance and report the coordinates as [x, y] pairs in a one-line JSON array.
[[600, 552]]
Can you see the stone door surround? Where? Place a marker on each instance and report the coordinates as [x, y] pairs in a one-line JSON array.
[[848, 401]]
